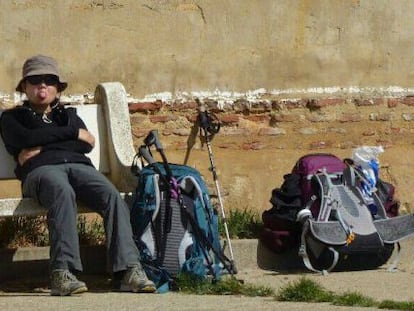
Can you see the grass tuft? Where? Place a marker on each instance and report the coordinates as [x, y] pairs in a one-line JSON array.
[[190, 284], [395, 305], [304, 290], [353, 299], [242, 224]]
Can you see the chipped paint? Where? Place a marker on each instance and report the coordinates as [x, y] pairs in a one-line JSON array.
[[224, 98]]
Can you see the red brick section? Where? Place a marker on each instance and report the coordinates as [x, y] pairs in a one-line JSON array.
[[145, 107], [409, 101], [163, 118], [335, 122]]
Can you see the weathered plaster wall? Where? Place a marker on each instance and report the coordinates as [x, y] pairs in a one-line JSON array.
[[285, 77], [234, 45]]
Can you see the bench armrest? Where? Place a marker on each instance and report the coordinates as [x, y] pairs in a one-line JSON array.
[[113, 98]]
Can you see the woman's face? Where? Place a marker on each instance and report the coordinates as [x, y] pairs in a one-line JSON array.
[[41, 90]]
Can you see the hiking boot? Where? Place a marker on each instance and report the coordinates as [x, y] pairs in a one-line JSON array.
[[135, 280], [64, 283]]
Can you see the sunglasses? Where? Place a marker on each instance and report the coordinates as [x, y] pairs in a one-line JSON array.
[[46, 79]]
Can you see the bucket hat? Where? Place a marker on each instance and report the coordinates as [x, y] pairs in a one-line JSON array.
[[41, 65]]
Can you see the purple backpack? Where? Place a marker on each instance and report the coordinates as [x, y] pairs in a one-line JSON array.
[[308, 165], [319, 210]]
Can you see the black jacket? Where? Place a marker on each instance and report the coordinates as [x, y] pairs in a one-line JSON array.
[[21, 127]]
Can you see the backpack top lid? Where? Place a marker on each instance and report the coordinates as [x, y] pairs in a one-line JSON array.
[[312, 163]]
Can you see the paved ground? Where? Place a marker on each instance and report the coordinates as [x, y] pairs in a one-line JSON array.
[[170, 301], [378, 284]]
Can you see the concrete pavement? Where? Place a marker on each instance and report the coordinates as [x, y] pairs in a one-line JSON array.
[[255, 266]]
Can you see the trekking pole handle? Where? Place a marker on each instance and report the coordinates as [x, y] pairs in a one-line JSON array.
[[208, 121], [157, 140], [143, 151], [203, 118], [153, 139]]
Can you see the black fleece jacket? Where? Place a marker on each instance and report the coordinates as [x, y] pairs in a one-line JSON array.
[[21, 127]]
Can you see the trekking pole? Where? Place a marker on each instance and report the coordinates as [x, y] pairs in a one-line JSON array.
[[210, 126]]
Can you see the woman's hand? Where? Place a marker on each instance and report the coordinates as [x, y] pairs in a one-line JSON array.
[[87, 137], [28, 153]]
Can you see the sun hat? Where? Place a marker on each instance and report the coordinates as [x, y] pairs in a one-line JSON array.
[[41, 65]]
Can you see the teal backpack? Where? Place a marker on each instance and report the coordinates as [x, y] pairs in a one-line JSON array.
[[174, 223]]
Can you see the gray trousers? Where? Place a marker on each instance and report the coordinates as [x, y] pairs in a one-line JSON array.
[[57, 187]]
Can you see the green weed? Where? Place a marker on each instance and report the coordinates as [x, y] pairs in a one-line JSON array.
[[395, 305], [242, 224], [190, 284], [353, 299], [304, 290]]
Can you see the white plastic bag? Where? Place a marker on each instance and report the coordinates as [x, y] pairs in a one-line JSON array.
[[366, 159]]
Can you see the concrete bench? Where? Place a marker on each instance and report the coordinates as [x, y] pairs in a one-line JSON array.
[[108, 119]]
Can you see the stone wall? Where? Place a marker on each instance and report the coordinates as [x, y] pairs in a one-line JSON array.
[[258, 143]]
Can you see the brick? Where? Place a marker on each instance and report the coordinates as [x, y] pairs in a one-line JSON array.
[[192, 118], [289, 104], [180, 145], [395, 131], [320, 144], [338, 130], [162, 118], [409, 101], [167, 132], [241, 105], [386, 143], [182, 132], [138, 118], [308, 131], [260, 107], [319, 117], [235, 131], [380, 116], [181, 106], [271, 131], [315, 104], [257, 118], [350, 117], [145, 107], [393, 102], [369, 132], [369, 102], [256, 145], [229, 119], [408, 116], [285, 117], [139, 132], [228, 146]]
